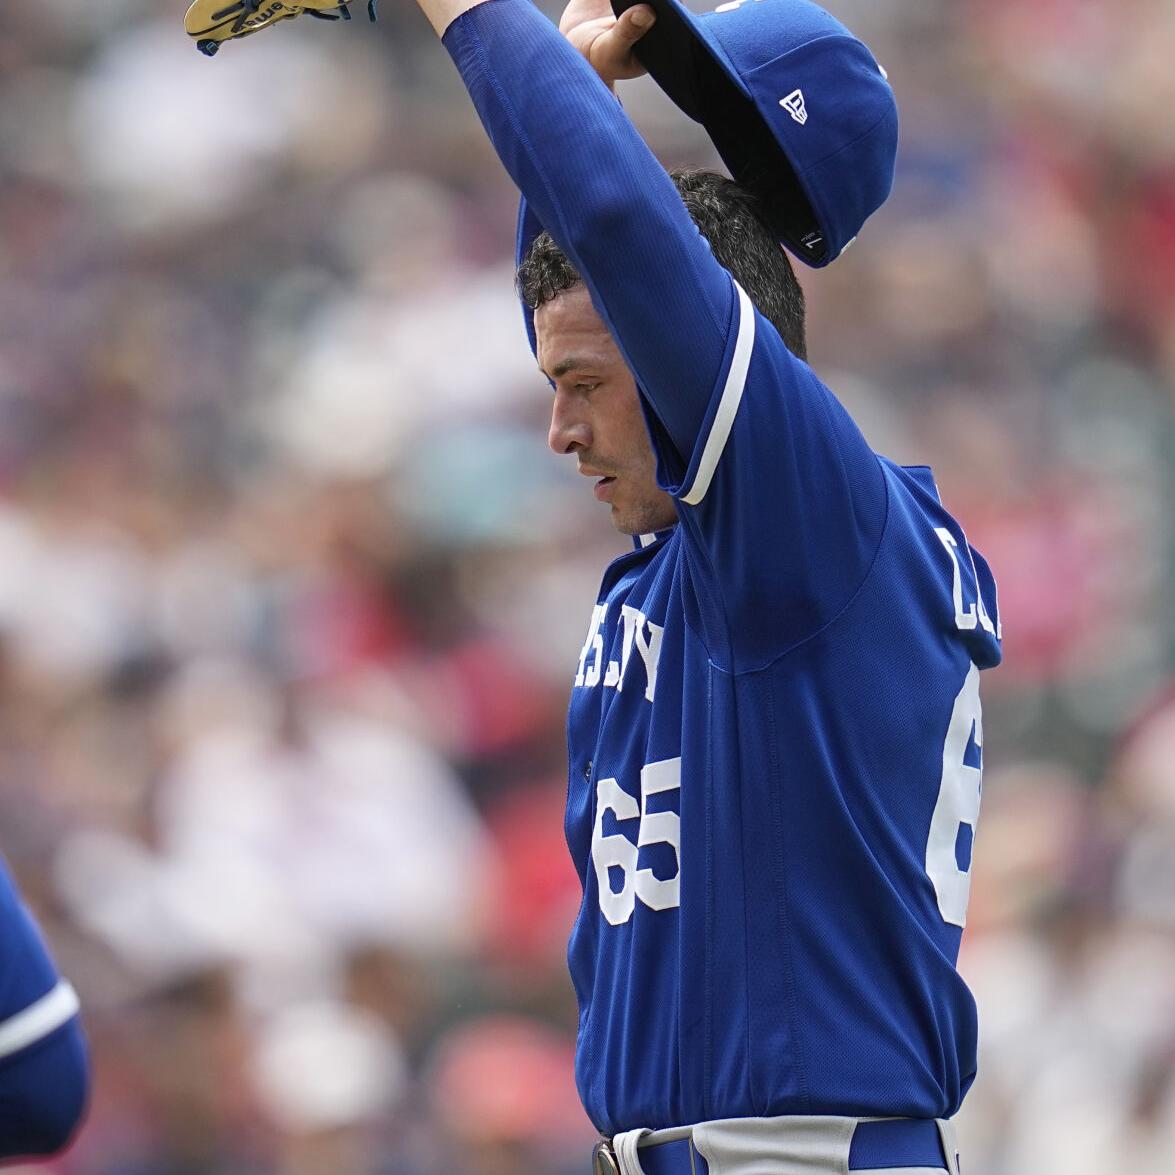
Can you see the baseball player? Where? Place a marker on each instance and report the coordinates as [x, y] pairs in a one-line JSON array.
[[44, 1069], [775, 739]]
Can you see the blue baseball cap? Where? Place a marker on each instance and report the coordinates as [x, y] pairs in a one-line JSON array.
[[798, 108]]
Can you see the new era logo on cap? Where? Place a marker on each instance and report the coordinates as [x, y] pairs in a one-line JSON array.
[[794, 105]]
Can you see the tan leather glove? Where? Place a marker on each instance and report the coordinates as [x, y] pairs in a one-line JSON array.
[[212, 22]]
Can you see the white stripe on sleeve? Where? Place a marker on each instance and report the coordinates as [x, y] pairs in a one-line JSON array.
[[38, 1019], [732, 394]]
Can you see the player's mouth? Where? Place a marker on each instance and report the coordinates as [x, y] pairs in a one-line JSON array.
[[604, 488]]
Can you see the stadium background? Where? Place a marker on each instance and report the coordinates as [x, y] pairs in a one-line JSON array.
[[290, 588]]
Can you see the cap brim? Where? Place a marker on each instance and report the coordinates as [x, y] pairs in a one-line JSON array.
[[680, 58]]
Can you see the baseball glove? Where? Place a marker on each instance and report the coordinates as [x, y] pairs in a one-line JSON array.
[[212, 22]]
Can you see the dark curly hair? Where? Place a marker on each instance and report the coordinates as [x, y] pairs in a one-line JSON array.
[[729, 218]]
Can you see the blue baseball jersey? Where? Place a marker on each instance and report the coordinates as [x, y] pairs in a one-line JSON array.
[[775, 739], [44, 1065]]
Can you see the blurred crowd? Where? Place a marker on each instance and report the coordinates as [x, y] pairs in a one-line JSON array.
[[291, 589]]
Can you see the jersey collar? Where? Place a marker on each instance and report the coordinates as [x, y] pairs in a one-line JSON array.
[[640, 541]]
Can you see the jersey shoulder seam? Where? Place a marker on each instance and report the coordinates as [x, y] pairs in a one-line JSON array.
[[798, 644]]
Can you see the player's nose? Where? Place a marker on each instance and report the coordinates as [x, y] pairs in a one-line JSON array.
[[569, 431]]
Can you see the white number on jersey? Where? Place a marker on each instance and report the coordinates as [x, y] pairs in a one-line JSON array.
[[618, 851], [958, 804]]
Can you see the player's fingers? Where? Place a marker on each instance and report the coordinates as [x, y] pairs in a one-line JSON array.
[[611, 52], [633, 23]]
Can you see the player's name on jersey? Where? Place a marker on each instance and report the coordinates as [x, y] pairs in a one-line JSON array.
[[639, 633], [968, 615], [645, 636]]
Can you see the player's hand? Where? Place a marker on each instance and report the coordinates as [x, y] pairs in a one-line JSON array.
[[605, 40]]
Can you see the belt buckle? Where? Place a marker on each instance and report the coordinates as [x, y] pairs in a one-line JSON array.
[[604, 1160]]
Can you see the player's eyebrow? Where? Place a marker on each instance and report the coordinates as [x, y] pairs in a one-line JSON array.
[[571, 363]]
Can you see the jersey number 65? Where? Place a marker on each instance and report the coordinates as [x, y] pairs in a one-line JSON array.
[[957, 805]]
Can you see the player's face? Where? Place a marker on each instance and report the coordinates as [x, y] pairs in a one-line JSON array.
[[597, 414]]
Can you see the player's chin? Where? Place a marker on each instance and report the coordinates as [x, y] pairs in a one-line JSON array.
[[632, 522], [624, 520]]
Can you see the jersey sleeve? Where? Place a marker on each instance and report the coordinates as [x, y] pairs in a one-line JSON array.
[[44, 1068], [782, 499], [591, 181]]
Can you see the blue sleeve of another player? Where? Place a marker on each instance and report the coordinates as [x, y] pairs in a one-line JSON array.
[[44, 1069], [782, 498], [43, 1094]]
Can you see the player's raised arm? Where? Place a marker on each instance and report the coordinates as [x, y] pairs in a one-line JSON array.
[[442, 13], [595, 185], [605, 40]]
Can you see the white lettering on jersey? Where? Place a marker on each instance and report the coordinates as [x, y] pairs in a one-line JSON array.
[[649, 646], [965, 618], [639, 633], [593, 647]]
